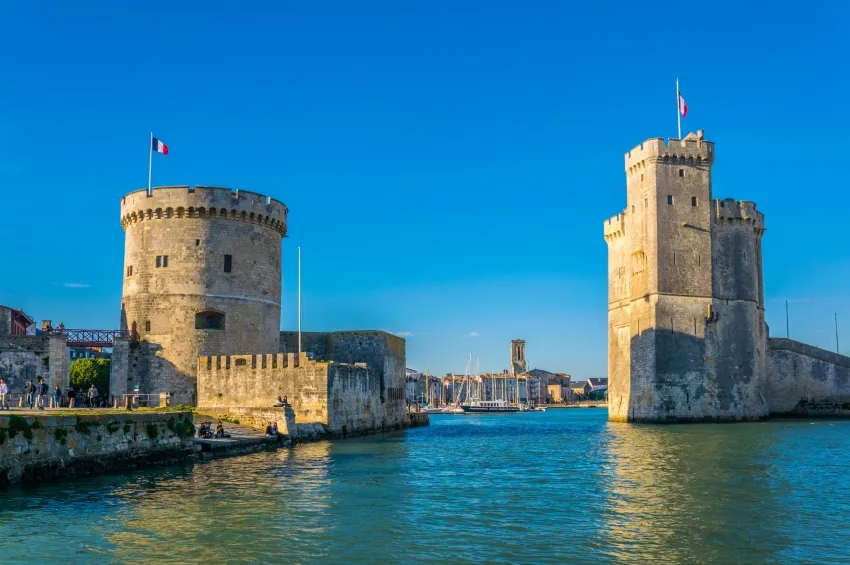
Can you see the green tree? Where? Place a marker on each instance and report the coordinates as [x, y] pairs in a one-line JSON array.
[[84, 372]]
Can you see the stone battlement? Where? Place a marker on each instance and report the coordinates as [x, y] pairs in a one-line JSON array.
[[731, 210], [693, 150], [615, 226], [266, 361], [203, 202]]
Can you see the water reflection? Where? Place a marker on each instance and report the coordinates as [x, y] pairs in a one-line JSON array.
[[695, 494]]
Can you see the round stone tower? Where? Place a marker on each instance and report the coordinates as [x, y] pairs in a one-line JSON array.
[[202, 276]]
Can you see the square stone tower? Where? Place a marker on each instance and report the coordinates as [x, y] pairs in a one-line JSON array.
[[518, 365], [686, 336]]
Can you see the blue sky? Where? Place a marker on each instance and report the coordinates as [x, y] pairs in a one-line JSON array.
[[447, 165]]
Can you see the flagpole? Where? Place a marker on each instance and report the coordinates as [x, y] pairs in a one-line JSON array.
[[678, 109], [299, 302], [150, 162]]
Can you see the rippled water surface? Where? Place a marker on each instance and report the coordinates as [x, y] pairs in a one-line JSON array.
[[563, 486]]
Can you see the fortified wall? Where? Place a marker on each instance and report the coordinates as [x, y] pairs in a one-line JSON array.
[[687, 338], [28, 357], [339, 398]]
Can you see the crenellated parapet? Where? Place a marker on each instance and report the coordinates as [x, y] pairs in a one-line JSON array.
[[692, 150], [269, 361], [615, 227], [203, 202], [729, 211]]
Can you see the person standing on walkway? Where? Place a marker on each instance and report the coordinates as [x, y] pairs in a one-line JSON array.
[[92, 396], [4, 391], [72, 395], [57, 397], [30, 390], [42, 392]]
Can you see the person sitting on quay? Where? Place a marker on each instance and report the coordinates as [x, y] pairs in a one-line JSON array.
[[205, 430], [280, 402], [270, 430], [219, 431]]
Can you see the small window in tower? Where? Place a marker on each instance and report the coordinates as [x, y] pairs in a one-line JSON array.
[[669, 199], [130, 271], [693, 200], [646, 202], [147, 325], [197, 242], [158, 261], [633, 208], [681, 172], [209, 320], [641, 176], [165, 260], [228, 263]]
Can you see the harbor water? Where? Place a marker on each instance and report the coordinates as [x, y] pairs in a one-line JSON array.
[[564, 486]]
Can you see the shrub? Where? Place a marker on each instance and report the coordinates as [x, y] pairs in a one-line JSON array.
[[2, 436], [152, 430], [112, 427], [127, 428], [61, 435]]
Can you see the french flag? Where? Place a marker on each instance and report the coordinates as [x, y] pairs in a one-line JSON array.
[[158, 146], [683, 109]]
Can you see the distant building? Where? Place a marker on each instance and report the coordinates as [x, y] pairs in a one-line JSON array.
[[558, 393], [15, 322], [580, 390], [414, 385], [86, 353], [598, 388]]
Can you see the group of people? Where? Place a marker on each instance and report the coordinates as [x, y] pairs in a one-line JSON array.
[[38, 395], [205, 431], [271, 429], [281, 402]]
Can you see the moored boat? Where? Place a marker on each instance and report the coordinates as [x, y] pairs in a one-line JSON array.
[[488, 407]]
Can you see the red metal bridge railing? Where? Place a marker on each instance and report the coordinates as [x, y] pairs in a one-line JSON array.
[[93, 338]]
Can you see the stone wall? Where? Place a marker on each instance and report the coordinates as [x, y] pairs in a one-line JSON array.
[[797, 372], [251, 381], [344, 399], [382, 352], [194, 229], [28, 357], [70, 445]]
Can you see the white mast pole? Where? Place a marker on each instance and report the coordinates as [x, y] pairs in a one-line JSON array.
[[150, 162], [299, 301], [678, 110]]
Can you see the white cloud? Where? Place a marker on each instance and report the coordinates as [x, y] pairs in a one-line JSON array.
[[473, 334], [403, 334], [73, 285]]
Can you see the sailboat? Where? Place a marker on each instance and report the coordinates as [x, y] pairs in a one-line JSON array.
[[475, 405]]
